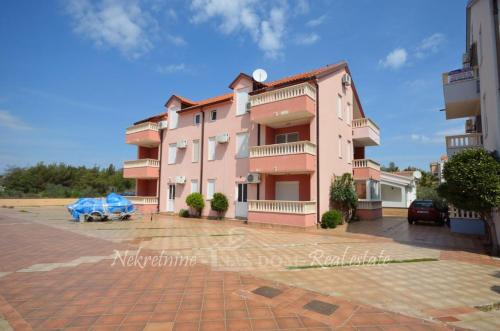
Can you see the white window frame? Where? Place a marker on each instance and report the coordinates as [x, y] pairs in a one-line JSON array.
[[197, 116], [339, 106], [286, 135], [195, 153], [211, 148], [172, 153], [340, 146], [242, 149], [210, 189], [194, 183], [212, 112], [242, 100]]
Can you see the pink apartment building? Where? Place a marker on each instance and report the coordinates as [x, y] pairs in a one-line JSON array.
[[272, 148]]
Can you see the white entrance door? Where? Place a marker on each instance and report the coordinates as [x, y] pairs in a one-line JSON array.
[[287, 191], [171, 198], [241, 208]]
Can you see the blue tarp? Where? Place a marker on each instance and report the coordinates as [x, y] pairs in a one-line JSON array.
[[113, 205]]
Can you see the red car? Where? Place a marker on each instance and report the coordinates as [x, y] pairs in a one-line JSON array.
[[425, 210]]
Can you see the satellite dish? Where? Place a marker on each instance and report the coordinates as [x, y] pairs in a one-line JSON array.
[[260, 75], [417, 174]]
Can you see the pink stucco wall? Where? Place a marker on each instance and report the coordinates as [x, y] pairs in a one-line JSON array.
[[148, 136], [369, 214], [141, 172], [306, 220], [146, 209], [366, 173], [301, 104], [284, 163]]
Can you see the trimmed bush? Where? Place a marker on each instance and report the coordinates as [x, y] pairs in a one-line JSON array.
[[184, 213], [331, 219], [219, 204], [196, 201]]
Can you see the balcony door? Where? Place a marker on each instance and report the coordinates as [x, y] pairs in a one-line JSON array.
[[241, 208], [171, 198], [287, 191]]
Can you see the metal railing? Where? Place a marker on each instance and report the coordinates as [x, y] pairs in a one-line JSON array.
[[285, 207], [283, 149], [283, 93], [365, 163], [142, 127], [141, 163]]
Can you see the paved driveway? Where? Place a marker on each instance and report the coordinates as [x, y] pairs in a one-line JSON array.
[[59, 274]]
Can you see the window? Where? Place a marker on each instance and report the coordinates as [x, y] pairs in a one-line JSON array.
[[339, 106], [210, 189], [197, 119], [287, 137], [340, 146], [242, 100], [172, 153], [174, 117], [242, 145], [211, 148], [213, 115], [348, 115], [196, 151], [242, 193], [349, 152], [194, 186]]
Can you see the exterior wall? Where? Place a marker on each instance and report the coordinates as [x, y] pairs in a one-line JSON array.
[[284, 163], [143, 136], [330, 127], [298, 105], [306, 220], [366, 173], [146, 209], [369, 214], [304, 186], [481, 19], [141, 172], [146, 188]]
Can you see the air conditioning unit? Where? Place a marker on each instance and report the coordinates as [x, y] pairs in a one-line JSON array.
[[163, 124], [223, 138], [346, 80], [249, 106], [180, 179], [182, 143], [253, 178]]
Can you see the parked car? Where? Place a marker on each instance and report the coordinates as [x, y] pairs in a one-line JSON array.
[[426, 210], [114, 206]]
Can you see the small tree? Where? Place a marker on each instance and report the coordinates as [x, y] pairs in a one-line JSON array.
[[196, 202], [331, 219], [473, 183], [219, 204], [343, 196]]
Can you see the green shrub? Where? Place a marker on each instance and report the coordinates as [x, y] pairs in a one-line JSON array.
[[343, 196], [331, 219], [219, 204], [184, 213], [196, 201]]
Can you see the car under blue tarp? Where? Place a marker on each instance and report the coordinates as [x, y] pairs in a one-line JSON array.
[[114, 206]]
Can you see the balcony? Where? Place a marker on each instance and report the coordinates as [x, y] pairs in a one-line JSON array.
[[365, 132], [455, 144], [142, 169], [295, 157], [144, 204], [292, 105], [365, 169], [145, 134], [289, 213], [461, 94]]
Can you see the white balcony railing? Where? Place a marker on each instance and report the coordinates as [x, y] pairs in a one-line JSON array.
[[365, 163], [298, 147], [143, 200], [142, 127], [369, 204], [464, 141], [285, 207], [141, 163], [460, 213], [363, 122], [283, 93]]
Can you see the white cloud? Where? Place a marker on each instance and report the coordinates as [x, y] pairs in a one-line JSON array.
[[301, 7], [265, 22], [172, 68], [395, 59], [431, 44], [176, 40], [306, 39], [316, 21], [123, 25], [9, 121]]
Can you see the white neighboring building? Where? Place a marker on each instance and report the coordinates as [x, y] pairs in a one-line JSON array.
[[398, 190]]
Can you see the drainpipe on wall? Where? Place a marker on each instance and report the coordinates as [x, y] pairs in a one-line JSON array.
[[318, 216], [202, 143], [158, 186], [258, 144]]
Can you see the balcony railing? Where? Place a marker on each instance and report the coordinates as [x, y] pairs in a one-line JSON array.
[[460, 213], [142, 127], [369, 204], [283, 93], [284, 207], [365, 122], [143, 200], [365, 163], [298, 147], [457, 143], [141, 163]]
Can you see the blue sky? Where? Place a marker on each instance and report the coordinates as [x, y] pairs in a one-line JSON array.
[[75, 74]]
